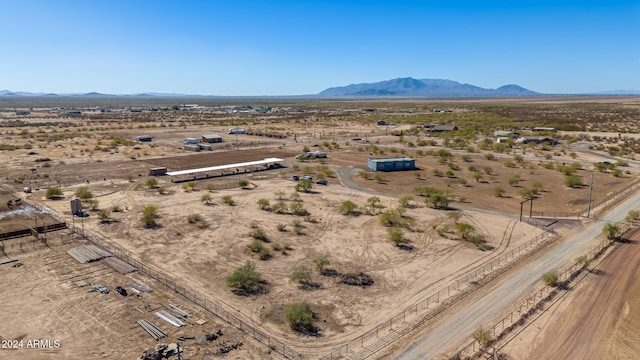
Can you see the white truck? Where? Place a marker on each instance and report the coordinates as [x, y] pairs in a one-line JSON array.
[[236, 131], [190, 141]]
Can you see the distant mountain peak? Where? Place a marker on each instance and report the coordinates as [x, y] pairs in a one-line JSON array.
[[410, 87]]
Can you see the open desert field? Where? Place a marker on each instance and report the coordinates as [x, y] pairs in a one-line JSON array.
[[401, 236]]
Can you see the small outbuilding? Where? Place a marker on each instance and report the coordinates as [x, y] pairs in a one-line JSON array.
[[392, 164], [158, 171], [443, 128], [211, 138], [144, 138]]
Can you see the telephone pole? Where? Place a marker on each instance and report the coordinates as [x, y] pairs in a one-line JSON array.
[[590, 192]]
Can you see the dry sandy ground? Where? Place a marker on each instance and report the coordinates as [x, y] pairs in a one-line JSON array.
[[203, 257], [596, 319], [40, 301]]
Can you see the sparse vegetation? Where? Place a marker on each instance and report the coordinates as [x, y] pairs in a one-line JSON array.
[[299, 317], [149, 216], [245, 279], [550, 279]]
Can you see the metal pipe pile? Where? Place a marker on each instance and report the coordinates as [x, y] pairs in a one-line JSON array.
[[153, 330], [176, 310], [169, 318]]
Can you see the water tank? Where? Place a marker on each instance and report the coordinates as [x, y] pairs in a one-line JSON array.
[[76, 206]]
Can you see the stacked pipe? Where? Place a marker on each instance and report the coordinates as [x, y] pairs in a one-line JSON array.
[[153, 330]]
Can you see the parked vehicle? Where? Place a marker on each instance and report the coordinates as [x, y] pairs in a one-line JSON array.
[[321, 182], [295, 177], [307, 178], [190, 141]]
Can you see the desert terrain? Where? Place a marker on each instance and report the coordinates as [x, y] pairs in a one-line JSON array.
[[208, 227]]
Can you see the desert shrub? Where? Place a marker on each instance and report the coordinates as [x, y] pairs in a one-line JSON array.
[[438, 200], [514, 180], [264, 204], [298, 209], [572, 181], [498, 191], [397, 236], [483, 338], [84, 193], [243, 183], [258, 234], [610, 231], [304, 185], [256, 246], [103, 216], [280, 207], [281, 227], [205, 199], [321, 262], [633, 215], [228, 200], [526, 193], [245, 279], [149, 216], [550, 279], [348, 207], [405, 200], [301, 274], [299, 317], [151, 183]]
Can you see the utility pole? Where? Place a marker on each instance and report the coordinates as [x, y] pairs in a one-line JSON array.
[[628, 151], [590, 192]]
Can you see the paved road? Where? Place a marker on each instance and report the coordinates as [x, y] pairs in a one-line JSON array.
[[459, 327]]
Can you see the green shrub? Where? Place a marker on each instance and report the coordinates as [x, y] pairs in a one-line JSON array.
[[299, 317], [245, 278]]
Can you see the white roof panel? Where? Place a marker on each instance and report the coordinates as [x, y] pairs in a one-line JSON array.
[[224, 167]]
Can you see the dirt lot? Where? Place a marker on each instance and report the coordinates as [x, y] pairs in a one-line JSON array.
[[49, 306]]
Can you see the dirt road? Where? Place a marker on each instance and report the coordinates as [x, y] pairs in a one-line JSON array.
[[458, 328], [582, 332]]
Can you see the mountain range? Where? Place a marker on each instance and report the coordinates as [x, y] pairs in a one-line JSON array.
[[410, 87], [399, 88]]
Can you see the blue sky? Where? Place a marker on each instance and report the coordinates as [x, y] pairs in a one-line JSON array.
[[296, 47]]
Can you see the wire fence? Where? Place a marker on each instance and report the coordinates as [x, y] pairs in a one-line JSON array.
[[533, 303], [597, 208], [417, 314], [198, 298]]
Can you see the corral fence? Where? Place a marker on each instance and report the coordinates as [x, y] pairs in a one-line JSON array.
[[198, 298], [417, 314], [599, 207], [535, 302]]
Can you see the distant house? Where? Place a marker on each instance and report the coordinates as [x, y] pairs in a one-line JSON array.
[[144, 138], [536, 140], [545, 129], [502, 140], [211, 138], [392, 164], [443, 128], [74, 113], [22, 112]]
